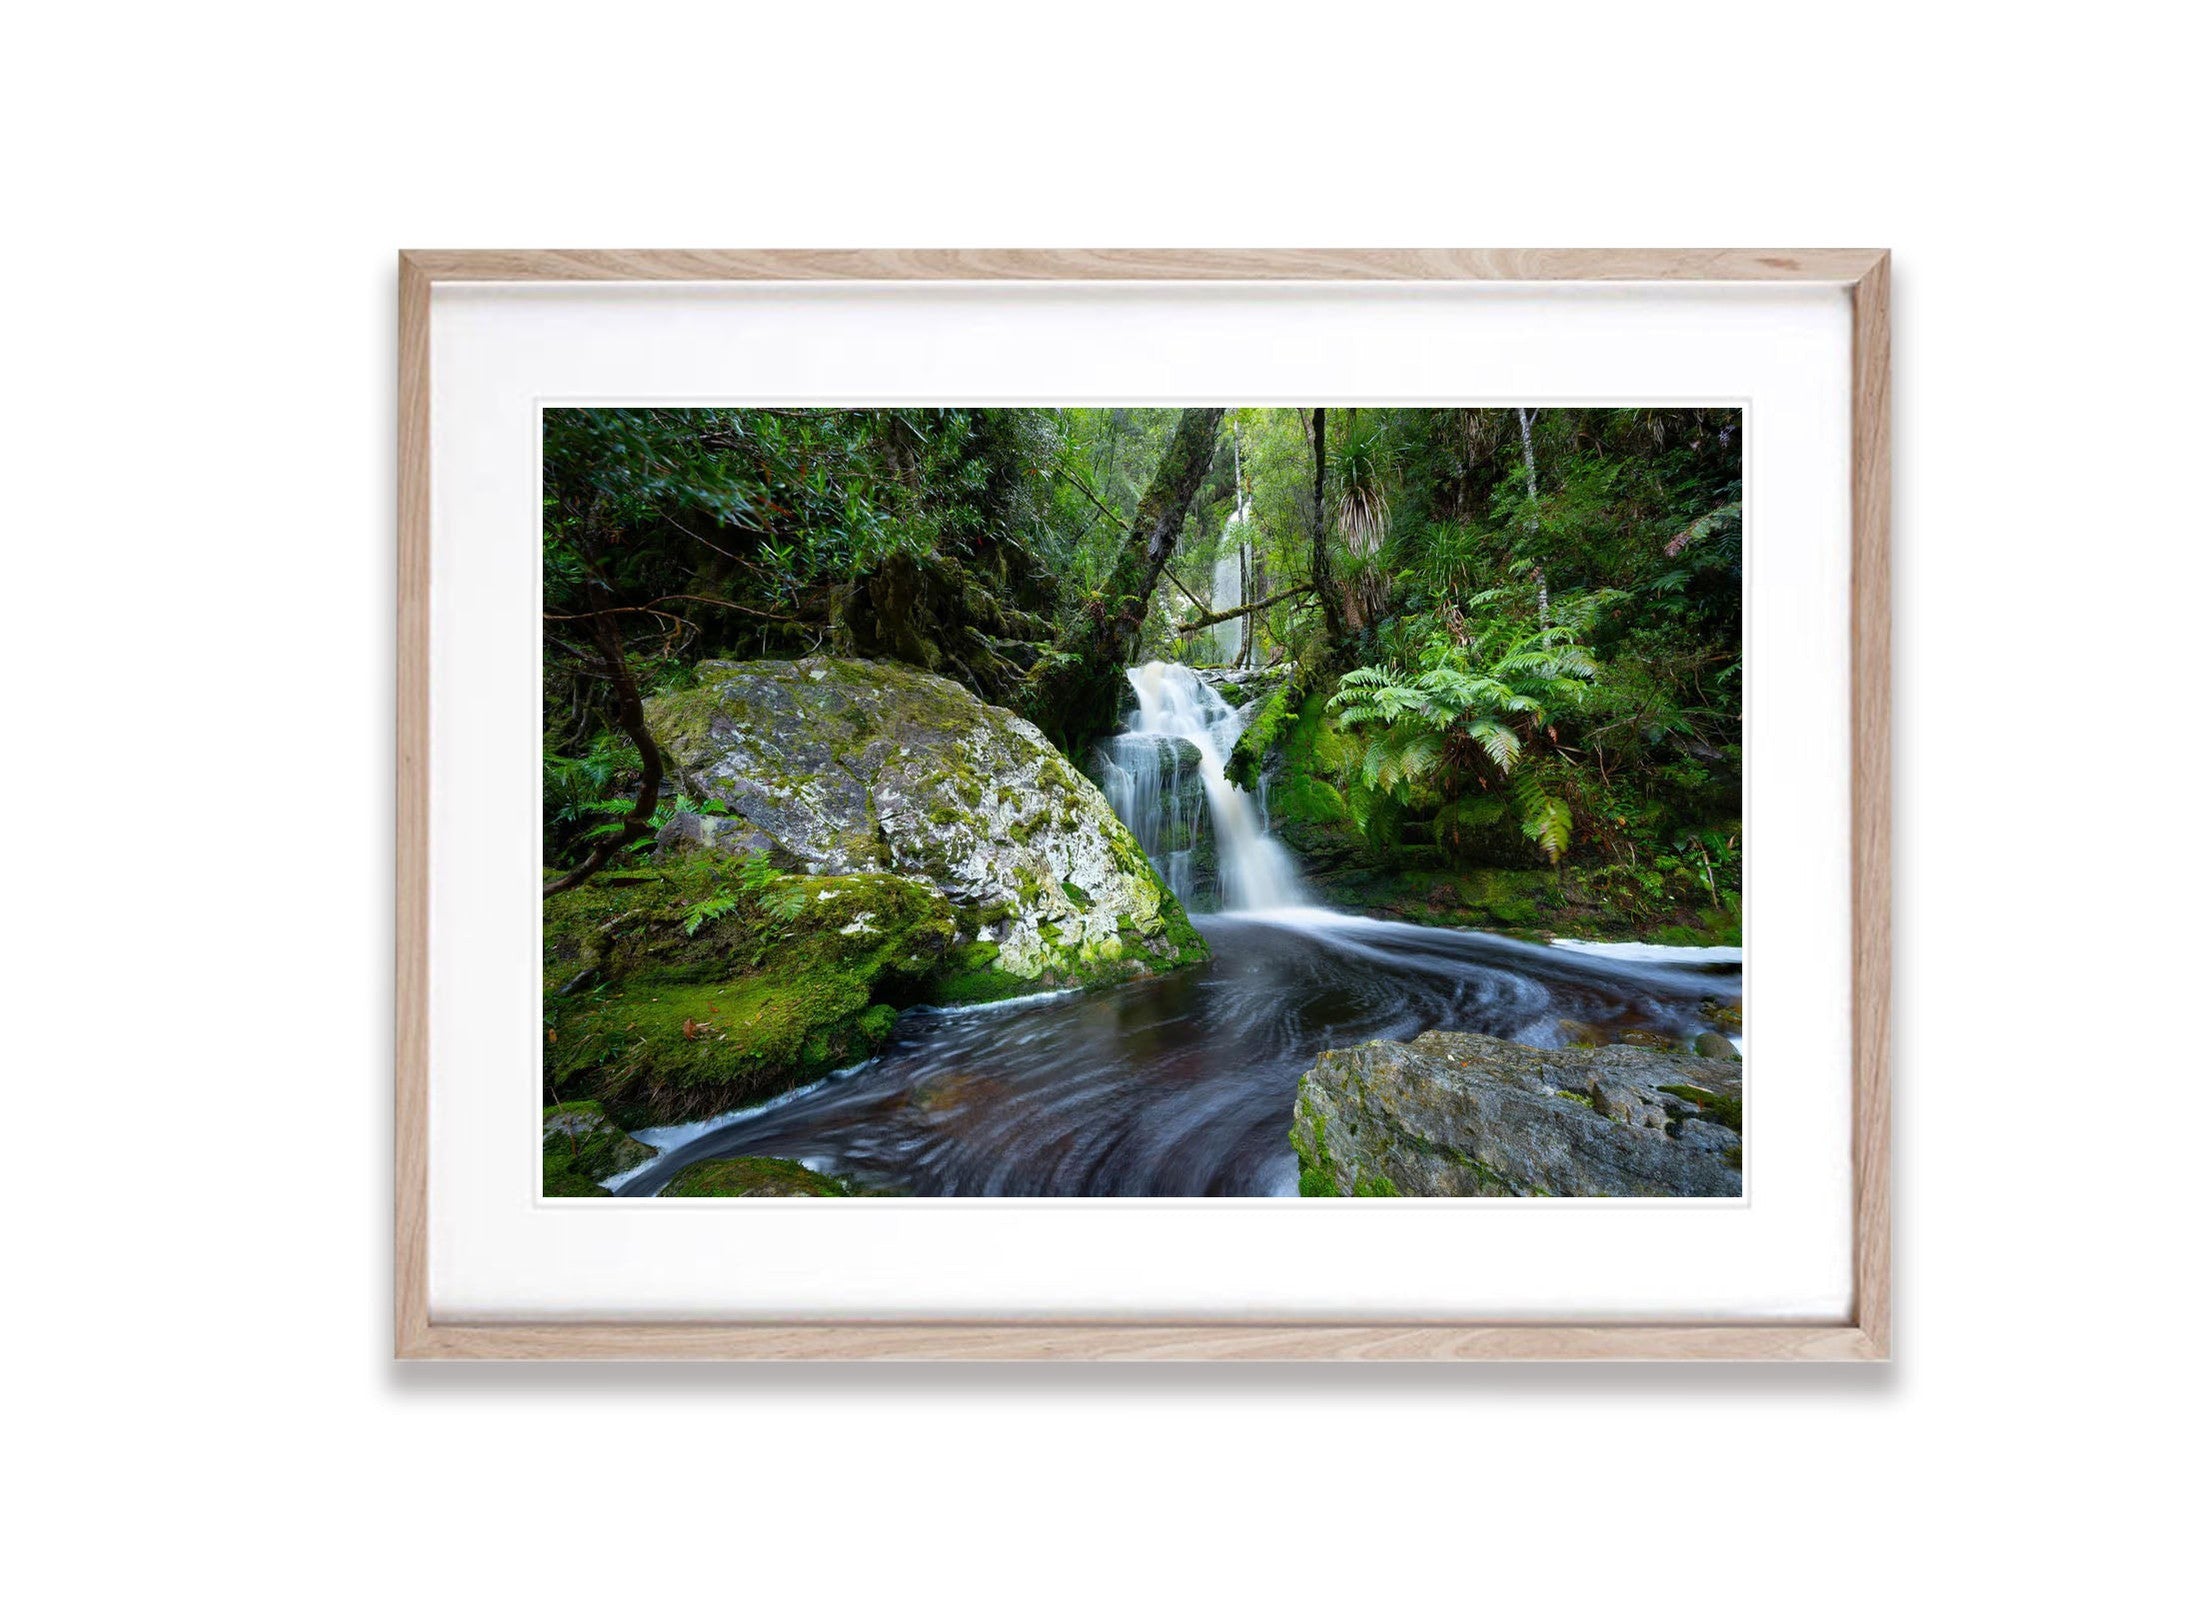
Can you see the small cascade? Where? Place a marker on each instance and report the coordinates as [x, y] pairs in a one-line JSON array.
[[1181, 722], [1145, 778]]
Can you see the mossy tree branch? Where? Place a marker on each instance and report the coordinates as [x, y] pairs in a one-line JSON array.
[[1206, 619]]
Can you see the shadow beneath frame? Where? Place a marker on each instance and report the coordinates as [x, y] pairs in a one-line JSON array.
[[1740, 1380]]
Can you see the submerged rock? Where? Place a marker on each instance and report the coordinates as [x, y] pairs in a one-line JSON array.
[[1463, 1115], [583, 1148], [833, 766]]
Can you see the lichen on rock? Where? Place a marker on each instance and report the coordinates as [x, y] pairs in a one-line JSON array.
[[832, 766], [1464, 1115]]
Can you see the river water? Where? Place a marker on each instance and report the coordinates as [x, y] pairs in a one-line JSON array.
[[1180, 1084], [1183, 1084]]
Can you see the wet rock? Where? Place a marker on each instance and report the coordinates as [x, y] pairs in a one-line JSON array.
[[1715, 1046], [838, 766], [1463, 1115], [583, 1148]]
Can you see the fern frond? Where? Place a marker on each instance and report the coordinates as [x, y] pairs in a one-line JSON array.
[[1543, 816], [1497, 741], [708, 910]]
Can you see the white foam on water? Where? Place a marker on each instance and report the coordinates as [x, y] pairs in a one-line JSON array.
[[1662, 954], [666, 1140]]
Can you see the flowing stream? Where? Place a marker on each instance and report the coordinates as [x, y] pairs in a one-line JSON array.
[[1183, 1084]]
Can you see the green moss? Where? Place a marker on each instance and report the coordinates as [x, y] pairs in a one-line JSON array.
[[753, 1177], [1307, 800], [876, 1024], [974, 956], [982, 987], [1271, 723], [1178, 933], [1314, 1183], [1723, 1109], [1308, 1136], [1317, 743], [798, 977], [561, 1183], [582, 1146]]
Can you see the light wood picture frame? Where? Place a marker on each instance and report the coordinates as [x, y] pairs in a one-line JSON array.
[[1863, 1335]]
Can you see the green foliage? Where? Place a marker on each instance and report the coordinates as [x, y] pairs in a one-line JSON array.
[[1543, 815], [708, 910], [1566, 651], [1466, 713]]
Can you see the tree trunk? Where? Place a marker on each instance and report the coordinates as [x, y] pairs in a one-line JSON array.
[[626, 712], [1324, 579], [1244, 587], [1076, 699], [1534, 516]]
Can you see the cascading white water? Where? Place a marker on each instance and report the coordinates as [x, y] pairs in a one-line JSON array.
[[1142, 775], [1228, 595], [1176, 707]]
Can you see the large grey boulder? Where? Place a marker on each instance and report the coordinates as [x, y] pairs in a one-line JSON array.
[[836, 767], [1462, 1115]]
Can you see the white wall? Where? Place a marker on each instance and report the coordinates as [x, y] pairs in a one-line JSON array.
[[198, 391]]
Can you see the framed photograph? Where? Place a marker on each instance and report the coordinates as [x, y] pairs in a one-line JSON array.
[[1141, 804]]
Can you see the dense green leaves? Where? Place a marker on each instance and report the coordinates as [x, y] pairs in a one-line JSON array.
[[1559, 650]]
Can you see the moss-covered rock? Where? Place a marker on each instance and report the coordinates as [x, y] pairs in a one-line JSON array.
[[583, 1148], [695, 986], [1463, 1115], [1270, 721], [753, 1177], [835, 767]]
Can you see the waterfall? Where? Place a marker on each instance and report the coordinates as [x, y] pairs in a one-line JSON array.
[[1179, 714], [1228, 595]]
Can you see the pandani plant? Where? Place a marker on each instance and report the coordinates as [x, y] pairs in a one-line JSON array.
[[1363, 465]]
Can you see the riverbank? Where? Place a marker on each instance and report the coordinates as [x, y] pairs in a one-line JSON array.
[[1653, 872], [1593, 905], [1184, 1084]]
